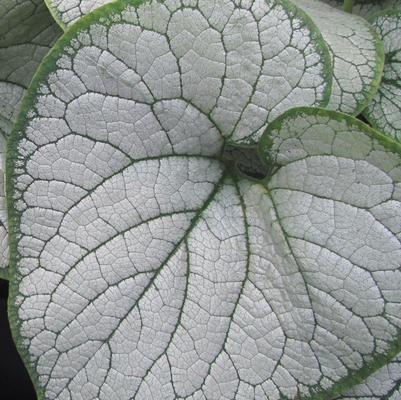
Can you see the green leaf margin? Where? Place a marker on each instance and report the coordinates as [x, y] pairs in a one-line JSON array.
[[376, 81], [368, 91], [387, 12], [55, 14]]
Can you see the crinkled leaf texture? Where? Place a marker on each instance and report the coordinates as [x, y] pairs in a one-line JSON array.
[[66, 12], [383, 384], [144, 267], [366, 8], [384, 112], [357, 55], [27, 31]]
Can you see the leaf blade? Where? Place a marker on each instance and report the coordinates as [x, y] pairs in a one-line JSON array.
[[74, 168]]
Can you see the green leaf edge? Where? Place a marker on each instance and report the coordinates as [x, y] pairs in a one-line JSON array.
[[55, 14], [323, 47], [368, 91], [376, 81], [47, 65], [386, 396], [350, 120], [387, 12]]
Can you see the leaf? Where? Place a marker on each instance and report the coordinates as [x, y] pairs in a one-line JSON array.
[[27, 31], [67, 12], [294, 149], [144, 267], [366, 8], [357, 53], [383, 384], [384, 112]]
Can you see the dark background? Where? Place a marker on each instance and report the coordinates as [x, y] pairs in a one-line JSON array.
[[14, 380]]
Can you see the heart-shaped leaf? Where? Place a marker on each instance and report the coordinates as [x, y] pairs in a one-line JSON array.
[[27, 31], [384, 112], [357, 53], [145, 266]]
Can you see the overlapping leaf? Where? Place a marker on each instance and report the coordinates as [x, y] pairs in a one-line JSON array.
[[357, 55], [318, 230], [27, 31], [384, 112], [147, 268]]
